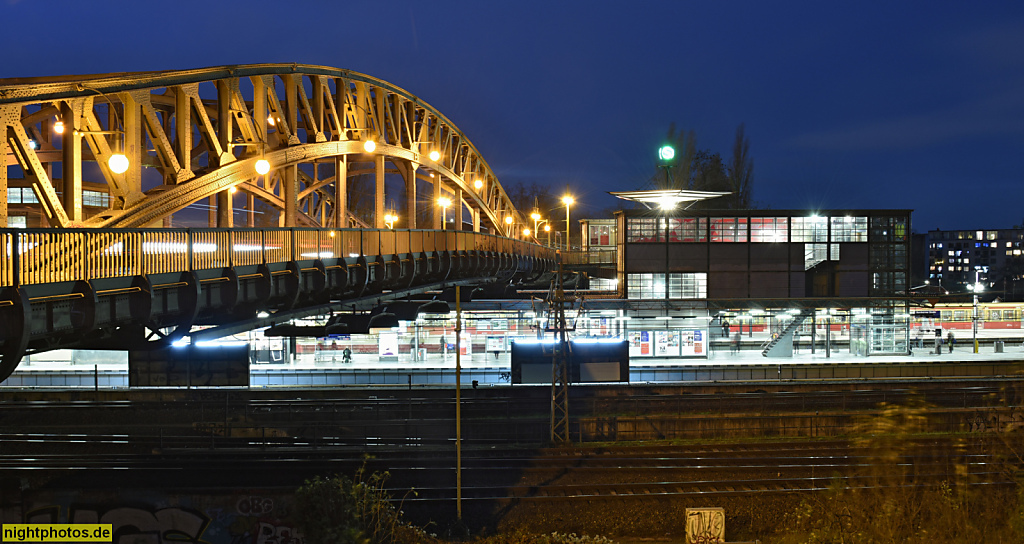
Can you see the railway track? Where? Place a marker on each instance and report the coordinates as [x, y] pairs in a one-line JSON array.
[[569, 474]]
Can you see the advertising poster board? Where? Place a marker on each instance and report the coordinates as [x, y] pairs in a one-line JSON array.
[[693, 343], [640, 344], [387, 346], [496, 343], [666, 343]]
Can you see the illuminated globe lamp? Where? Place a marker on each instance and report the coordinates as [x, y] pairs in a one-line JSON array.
[[479, 183], [118, 163], [444, 202], [434, 155], [262, 167], [369, 146]]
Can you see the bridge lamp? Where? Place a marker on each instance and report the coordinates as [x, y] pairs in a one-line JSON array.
[[118, 163], [526, 233], [232, 189], [478, 183], [444, 202], [435, 156], [389, 220], [58, 127], [509, 221], [568, 200], [369, 146], [262, 167], [547, 229]]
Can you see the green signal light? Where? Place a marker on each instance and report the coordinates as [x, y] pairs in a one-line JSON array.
[[666, 153]]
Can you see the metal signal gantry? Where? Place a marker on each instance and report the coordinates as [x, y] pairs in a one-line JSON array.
[[195, 135]]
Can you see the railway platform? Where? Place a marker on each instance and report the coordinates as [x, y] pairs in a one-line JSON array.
[[327, 369]]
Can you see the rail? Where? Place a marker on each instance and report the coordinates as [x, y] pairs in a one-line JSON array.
[[37, 256]]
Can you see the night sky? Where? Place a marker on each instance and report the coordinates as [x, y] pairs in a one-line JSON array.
[[914, 105]]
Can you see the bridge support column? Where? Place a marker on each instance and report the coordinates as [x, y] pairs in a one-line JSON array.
[[408, 170], [71, 160], [476, 219], [291, 194], [458, 208], [4, 148], [378, 214], [340, 192], [225, 217]]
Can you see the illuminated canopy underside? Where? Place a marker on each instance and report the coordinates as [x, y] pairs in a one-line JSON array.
[[666, 199]]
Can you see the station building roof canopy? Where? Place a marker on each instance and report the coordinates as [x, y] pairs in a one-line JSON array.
[[666, 199]]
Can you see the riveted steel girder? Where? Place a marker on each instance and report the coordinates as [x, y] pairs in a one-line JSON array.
[[204, 130]]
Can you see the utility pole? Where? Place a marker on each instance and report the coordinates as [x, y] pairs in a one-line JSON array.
[[560, 355], [458, 402]]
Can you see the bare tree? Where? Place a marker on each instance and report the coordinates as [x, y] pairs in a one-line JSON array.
[[741, 171]]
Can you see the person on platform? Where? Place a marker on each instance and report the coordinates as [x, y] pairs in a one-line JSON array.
[[346, 356], [950, 340]]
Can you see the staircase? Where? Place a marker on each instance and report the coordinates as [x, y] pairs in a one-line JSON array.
[[786, 335]]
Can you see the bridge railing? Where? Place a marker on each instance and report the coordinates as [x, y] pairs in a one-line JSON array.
[[36, 256]]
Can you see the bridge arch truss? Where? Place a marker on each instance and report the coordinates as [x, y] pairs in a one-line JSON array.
[[193, 136]]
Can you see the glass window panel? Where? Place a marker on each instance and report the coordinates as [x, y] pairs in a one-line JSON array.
[[688, 285], [728, 229], [642, 229], [769, 229], [688, 229]]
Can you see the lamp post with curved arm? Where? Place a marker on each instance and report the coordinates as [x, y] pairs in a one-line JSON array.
[[568, 201]]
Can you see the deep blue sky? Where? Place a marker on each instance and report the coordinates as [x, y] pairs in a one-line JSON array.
[[864, 104]]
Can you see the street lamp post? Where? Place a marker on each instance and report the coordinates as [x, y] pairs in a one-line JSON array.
[[568, 201], [444, 202], [509, 221], [974, 317], [547, 229]]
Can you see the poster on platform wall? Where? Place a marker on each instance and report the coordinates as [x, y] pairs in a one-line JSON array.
[[640, 344], [387, 345], [496, 343], [693, 343], [666, 344]]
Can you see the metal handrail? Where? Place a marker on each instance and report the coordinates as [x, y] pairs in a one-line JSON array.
[[37, 256]]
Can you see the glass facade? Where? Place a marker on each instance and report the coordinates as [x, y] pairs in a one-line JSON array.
[[769, 229]]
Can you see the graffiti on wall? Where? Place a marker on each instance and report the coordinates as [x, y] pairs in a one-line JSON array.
[[247, 519], [705, 525]]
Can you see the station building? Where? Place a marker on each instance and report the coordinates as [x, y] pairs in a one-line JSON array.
[[779, 273]]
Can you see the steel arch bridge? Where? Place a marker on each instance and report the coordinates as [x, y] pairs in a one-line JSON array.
[[103, 265]]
